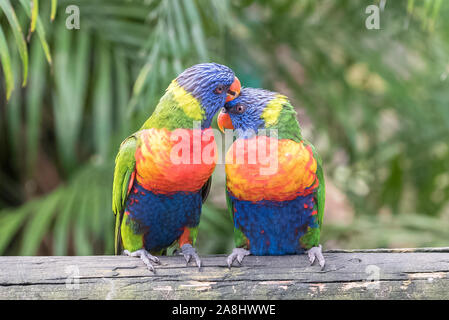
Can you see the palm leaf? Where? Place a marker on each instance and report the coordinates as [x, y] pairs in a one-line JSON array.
[[33, 14], [37, 227], [34, 97], [5, 5], [11, 221], [54, 6], [6, 64]]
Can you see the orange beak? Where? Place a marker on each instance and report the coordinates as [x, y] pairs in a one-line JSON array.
[[224, 121], [234, 90]]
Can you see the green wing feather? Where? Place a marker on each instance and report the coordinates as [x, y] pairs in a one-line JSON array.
[[125, 164], [240, 239], [206, 189], [320, 193], [312, 236]]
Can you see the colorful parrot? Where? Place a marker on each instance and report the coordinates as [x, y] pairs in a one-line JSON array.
[[275, 190], [160, 182]]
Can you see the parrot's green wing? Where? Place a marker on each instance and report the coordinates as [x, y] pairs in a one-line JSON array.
[[320, 191], [240, 239], [312, 236], [125, 164], [206, 189]]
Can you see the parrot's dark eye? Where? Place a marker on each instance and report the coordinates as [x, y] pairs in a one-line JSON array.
[[239, 108], [219, 89]]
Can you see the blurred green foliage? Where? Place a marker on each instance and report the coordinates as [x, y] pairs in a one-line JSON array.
[[374, 102]]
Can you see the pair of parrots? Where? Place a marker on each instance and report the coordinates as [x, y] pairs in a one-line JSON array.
[[158, 192]]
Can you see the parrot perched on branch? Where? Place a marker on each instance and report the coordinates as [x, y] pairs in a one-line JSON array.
[[275, 193], [160, 176]]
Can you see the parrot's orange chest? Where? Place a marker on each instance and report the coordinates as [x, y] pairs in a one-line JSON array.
[[264, 168], [175, 161]]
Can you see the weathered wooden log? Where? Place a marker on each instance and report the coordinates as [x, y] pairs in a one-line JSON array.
[[372, 274]]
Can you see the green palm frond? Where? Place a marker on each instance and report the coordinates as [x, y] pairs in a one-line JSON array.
[[10, 14], [31, 8], [36, 24], [6, 64], [426, 11]]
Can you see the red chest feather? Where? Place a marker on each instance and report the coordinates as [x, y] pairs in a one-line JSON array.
[[173, 161], [283, 171]]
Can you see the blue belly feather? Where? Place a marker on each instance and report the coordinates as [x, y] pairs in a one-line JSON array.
[[272, 227], [161, 218]]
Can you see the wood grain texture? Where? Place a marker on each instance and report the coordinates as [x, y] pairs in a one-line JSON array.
[[413, 274]]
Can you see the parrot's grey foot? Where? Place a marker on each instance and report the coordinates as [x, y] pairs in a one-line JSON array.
[[316, 253], [237, 253], [146, 257], [188, 252]]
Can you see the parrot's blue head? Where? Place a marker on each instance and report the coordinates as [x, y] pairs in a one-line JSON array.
[[250, 111], [212, 85]]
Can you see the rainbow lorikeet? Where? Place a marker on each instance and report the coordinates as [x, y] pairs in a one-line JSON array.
[[160, 182], [274, 179]]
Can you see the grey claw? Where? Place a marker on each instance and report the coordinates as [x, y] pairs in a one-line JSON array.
[[188, 252], [316, 253], [311, 259], [237, 253], [198, 261], [145, 256]]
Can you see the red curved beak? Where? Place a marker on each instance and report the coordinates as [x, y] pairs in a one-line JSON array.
[[234, 90], [224, 121]]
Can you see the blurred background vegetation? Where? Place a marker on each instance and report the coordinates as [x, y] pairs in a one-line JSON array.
[[374, 102]]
